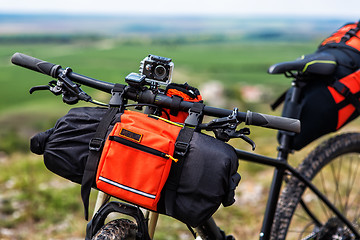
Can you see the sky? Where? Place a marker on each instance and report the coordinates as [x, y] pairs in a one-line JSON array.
[[321, 8]]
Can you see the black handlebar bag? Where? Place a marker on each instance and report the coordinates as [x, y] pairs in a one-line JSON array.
[[204, 178], [66, 146]]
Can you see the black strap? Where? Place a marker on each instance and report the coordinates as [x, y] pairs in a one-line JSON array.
[[278, 101], [175, 105], [345, 91], [96, 144], [191, 123], [181, 148], [95, 147], [351, 33], [182, 145], [183, 142], [185, 88]]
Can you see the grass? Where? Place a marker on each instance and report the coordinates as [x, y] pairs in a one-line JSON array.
[[43, 205], [195, 63], [30, 194]]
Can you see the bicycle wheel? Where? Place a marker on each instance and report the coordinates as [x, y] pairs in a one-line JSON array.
[[119, 229], [333, 168]]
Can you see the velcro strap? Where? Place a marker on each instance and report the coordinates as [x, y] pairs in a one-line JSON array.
[[175, 105], [184, 90]]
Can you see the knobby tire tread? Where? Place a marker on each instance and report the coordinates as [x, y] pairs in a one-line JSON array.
[[312, 164], [119, 229]]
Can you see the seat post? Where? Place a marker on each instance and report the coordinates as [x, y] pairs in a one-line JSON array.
[[284, 150]]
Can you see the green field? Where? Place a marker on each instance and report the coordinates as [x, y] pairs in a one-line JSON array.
[[36, 204], [108, 60]]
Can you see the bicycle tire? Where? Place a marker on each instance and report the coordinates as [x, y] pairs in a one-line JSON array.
[[118, 229], [339, 152]]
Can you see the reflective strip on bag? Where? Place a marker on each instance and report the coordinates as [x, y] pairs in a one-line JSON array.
[[127, 188]]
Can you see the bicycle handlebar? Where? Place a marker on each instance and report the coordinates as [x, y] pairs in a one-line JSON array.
[[250, 118], [54, 70]]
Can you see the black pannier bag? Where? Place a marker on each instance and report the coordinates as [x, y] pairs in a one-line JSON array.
[[327, 103], [317, 112], [206, 179]]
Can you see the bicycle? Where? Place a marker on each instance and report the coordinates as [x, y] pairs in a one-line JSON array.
[[336, 218]]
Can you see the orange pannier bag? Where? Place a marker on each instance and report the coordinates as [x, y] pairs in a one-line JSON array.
[[330, 102], [346, 93], [137, 157], [348, 34]]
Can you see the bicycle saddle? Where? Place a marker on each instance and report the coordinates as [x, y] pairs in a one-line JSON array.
[[317, 63]]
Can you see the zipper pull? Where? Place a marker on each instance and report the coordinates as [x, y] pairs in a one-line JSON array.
[[172, 158]]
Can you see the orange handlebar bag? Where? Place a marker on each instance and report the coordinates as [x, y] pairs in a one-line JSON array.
[[137, 158]]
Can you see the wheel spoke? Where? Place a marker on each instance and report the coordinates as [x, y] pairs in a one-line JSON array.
[[334, 168], [336, 179], [348, 185], [353, 180], [325, 192]]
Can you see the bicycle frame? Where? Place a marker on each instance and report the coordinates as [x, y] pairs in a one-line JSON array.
[[280, 163], [282, 168]]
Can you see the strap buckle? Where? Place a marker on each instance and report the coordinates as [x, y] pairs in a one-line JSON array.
[[181, 148], [117, 96], [193, 119], [96, 144], [195, 115]]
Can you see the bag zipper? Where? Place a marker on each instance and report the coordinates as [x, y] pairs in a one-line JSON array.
[[142, 147], [166, 120]]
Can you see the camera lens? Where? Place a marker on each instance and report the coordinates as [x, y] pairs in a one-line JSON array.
[[160, 72]]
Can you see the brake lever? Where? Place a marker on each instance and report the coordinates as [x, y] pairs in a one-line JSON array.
[[71, 92], [249, 141], [39, 88], [52, 87], [227, 134], [225, 129], [242, 134]]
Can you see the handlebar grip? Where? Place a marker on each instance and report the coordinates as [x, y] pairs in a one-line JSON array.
[[274, 122], [35, 64]]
